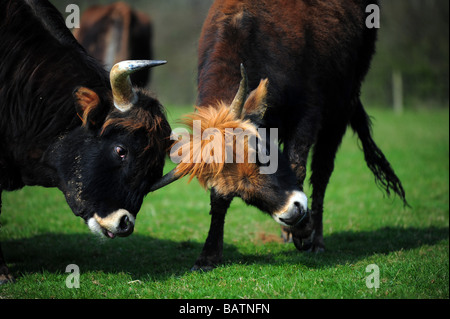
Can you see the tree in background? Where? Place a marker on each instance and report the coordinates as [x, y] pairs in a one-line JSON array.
[[413, 43]]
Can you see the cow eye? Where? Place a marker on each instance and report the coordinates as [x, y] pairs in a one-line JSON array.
[[121, 152]]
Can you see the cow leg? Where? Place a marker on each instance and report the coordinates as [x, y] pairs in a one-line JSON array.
[[211, 254], [5, 276], [322, 166], [297, 153], [296, 149]]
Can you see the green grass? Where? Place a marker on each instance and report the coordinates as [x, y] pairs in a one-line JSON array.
[[40, 236]]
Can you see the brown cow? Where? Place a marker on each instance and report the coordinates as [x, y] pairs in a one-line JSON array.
[[116, 32], [315, 55]]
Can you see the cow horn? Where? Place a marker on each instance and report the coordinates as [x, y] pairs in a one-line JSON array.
[[239, 100], [123, 93], [170, 177]]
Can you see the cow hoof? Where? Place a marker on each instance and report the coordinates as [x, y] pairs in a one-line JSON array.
[[286, 234], [314, 248], [298, 243], [6, 279], [311, 244], [202, 268], [308, 246]]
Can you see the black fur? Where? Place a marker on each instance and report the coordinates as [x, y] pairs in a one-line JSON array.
[[375, 159], [48, 137]]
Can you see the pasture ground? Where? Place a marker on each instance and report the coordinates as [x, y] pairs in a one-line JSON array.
[[410, 246]]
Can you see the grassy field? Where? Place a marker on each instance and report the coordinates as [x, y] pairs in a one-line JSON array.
[[410, 246]]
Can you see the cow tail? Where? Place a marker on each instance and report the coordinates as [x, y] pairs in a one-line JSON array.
[[375, 159]]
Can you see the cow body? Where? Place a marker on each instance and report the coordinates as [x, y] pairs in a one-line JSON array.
[[315, 55], [116, 32], [60, 125]]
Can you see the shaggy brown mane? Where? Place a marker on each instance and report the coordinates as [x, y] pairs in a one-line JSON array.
[[222, 120]]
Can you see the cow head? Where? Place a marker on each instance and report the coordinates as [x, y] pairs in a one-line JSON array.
[[108, 165], [227, 155]]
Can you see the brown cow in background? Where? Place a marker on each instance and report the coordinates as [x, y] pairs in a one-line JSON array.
[[114, 33]]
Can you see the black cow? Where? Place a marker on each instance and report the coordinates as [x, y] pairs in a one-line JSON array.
[[115, 32], [65, 123], [315, 55]]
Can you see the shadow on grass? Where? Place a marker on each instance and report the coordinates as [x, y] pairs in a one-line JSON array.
[[145, 257], [140, 256], [349, 247]]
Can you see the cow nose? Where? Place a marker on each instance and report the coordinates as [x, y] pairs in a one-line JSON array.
[[126, 226], [295, 214]]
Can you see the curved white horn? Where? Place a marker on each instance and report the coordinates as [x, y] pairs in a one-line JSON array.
[[167, 179], [239, 100], [123, 93]]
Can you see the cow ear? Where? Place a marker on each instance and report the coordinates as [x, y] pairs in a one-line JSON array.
[[256, 104], [87, 103]]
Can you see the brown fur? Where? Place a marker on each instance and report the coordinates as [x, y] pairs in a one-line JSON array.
[[142, 119], [219, 117], [257, 100], [87, 101], [316, 55], [151, 123], [150, 120], [116, 32], [239, 176]]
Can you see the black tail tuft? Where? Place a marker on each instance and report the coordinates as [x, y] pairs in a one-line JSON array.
[[375, 159]]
